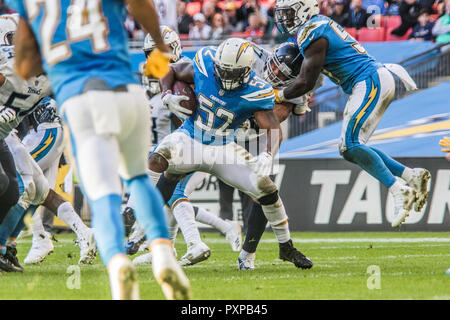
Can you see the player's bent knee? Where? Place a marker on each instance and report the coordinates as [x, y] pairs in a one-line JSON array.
[[350, 154], [158, 162], [42, 190], [269, 199], [266, 186]]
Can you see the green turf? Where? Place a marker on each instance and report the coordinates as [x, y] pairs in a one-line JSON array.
[[409, 270]]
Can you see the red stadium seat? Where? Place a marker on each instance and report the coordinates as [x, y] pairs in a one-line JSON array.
[[393, 21], [193, 7], [353, 32], [371, 34], [391, 37]]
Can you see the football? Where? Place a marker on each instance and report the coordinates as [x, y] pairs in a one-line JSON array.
[[183, 89]]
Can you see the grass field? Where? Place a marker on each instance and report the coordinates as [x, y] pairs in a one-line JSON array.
[[411, 266]]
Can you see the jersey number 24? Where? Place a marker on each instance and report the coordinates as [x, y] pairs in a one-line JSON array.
[[85, 20]]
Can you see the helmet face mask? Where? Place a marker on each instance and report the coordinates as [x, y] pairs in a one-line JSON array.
[[233, 63], [231, 78], [170, 38], [8, 27], [290, 15], [281, 69]]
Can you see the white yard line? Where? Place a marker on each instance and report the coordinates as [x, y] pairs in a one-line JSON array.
[[316, 240], [348, 240]]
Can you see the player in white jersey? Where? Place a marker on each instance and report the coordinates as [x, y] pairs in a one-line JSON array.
[[45, 144], [19, 98], [181, 211]]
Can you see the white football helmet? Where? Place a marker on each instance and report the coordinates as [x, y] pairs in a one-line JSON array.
[[170, 38], [292, 14], [233, 63], [8, 27]]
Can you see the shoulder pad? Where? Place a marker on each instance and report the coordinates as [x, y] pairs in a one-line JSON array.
[[310, 31], [203, 57]]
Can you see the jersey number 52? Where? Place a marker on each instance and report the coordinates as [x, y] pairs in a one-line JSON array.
[[85, 20]]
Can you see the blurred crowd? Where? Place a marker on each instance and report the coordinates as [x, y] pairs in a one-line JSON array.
[[213, 19]]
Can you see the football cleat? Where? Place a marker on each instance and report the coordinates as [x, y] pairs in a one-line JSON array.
[[41, 247], [7, 266], [403, 201], [128, 220], [196, 253], [135, 240], [420, 183], [168, 273], [123, 278], [11, 255], [88, 248], [247, 263], [145, 258], [234, 236], [289, 253]]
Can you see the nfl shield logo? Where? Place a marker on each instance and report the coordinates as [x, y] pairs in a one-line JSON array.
[[221, 92]]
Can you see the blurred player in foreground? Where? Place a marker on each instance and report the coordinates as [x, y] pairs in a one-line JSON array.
[[84, 48]]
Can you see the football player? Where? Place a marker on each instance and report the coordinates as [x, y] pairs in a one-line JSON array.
[[45, 145], [327, 47], [229, 93], [165, 122], [279, 68], [83, 47], [19, 98]]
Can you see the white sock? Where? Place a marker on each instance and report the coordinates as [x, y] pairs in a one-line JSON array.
[[68, 215], [37, 227], [408, 174], [154, 176], [172, 224], [208, 218], [277, 217], [395, 188], [185, 216], [282, 232], [244, 255]]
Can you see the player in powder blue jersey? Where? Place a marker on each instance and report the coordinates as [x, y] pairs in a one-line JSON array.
[[82, 45], [228, 92], [328, 48]]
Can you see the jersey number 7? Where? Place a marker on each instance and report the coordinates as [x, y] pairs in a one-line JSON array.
[[85, 20]]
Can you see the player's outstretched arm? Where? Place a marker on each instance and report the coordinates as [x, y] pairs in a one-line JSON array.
[[311, 67], [183, 71], [28, 61], [283, 110], [267, 120], [145, 13]]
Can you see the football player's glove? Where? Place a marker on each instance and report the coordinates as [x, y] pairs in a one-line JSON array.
[[7, 115], [445, 142], [172, 101], [279, 95], [157, 65], [301, 109], [262, 164]]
